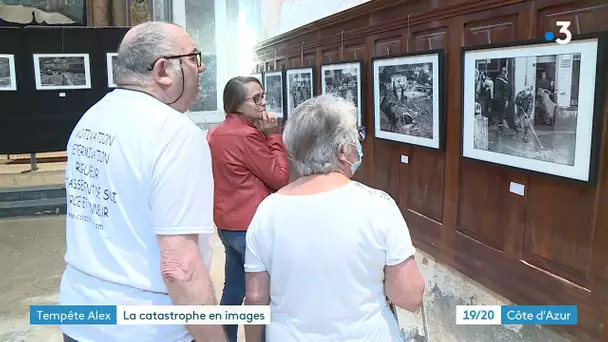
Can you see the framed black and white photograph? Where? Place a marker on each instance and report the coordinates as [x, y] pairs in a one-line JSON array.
[[344, 79], [525, 106], [299, 87], [8, 76], [273, 81], [408, 98], [110, 63], [62, 71], [260, 78]]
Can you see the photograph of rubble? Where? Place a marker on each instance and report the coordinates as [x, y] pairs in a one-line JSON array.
[[407, 98]]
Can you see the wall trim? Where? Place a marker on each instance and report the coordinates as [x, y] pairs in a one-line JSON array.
[[440, 13]]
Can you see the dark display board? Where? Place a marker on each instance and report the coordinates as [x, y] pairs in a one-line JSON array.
[[61, 72]]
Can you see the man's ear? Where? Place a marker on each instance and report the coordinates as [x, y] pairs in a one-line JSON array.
[[160, 72]]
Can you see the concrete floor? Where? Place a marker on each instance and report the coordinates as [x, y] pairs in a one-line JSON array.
[[31, 254]]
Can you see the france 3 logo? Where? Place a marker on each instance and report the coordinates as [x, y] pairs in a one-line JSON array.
[[563, 29]]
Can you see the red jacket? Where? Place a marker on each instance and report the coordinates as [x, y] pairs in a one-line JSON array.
[[247, 167]]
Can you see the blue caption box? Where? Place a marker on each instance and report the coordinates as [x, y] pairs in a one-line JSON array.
[[539, 314], [72, 314]]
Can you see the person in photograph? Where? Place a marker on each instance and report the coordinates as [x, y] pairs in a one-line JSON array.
[[139, 185], [484, 92], [524, 102], [325, 251], [249, 163], [502, 94], [544, 82]]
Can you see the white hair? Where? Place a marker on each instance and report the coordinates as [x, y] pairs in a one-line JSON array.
[[316, 129], [151, 41]]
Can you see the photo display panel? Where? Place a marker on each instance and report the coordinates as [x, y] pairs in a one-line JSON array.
[[13, 100], [61, 73], [110, 38]]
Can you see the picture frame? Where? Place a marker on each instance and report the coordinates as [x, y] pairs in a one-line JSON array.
[[110, 60], [525, 107], [59, 71], [409, 98], [345, 79], [8, 74], [299, 86], [274, 84]]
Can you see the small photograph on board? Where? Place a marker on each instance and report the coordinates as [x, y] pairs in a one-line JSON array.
[[274, 92], [8, 76], [343, 80], [407, 99], [526, 106], [110, 63], [299, 87], [62, 71]]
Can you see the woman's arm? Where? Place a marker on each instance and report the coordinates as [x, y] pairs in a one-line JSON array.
[[404, 285], [266, 158], [257, 293], [403, 282]]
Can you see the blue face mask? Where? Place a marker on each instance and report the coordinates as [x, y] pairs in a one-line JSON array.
[[354, 167]]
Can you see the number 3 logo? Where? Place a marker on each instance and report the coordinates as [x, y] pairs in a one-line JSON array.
[[564, 25]]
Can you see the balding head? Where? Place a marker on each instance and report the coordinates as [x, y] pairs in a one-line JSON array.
[[162, 60], [141, 46]]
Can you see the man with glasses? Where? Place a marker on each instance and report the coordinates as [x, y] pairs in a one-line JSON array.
[[140, 193]]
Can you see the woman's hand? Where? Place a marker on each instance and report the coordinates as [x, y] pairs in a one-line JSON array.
[[268, 124]]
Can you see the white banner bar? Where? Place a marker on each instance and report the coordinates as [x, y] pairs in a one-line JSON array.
[[193, 314]]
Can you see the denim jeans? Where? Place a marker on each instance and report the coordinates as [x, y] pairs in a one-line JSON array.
[[234, 283]]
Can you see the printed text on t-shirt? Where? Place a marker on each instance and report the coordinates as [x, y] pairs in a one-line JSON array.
[[87, 200]]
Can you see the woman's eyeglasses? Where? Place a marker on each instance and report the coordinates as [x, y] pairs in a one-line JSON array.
[[257, 99]]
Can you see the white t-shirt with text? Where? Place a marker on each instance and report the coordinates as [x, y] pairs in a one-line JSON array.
[[136, 168], [325, 254]]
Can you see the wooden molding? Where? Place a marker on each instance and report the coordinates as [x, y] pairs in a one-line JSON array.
[[442, 12]]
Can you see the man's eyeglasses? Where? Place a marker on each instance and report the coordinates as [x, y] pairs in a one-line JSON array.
[[361, 132], [196, 57]]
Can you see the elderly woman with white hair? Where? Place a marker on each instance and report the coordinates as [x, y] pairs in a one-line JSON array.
[[325, 251]]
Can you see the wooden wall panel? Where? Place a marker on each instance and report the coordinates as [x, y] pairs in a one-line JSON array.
[[545, 247], [431, 39], [425, 181], [330, 55], [558, 229], [496, 30], [354, 51], [583, 17], [390, 45], [480, 206], [310, 59], [387, 154]]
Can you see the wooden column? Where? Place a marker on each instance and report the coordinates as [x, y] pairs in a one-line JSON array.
[[119, 13], [102, 13], [98, 13]]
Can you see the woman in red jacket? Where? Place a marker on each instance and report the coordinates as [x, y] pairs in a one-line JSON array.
[[249, 163]]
